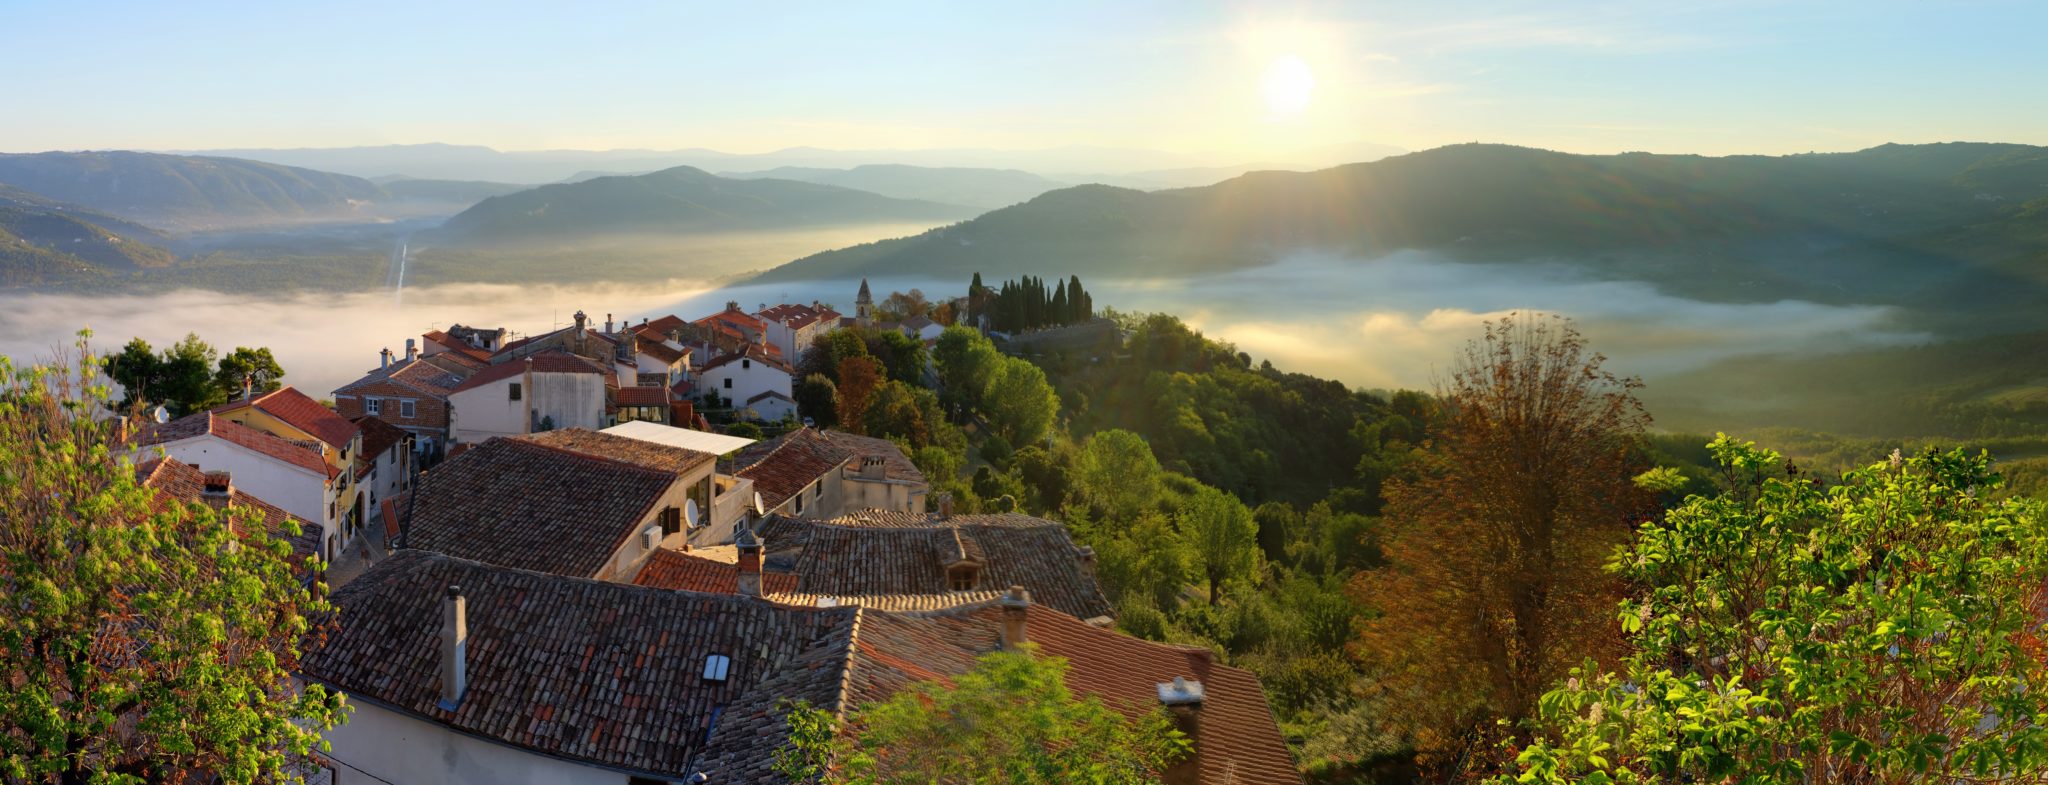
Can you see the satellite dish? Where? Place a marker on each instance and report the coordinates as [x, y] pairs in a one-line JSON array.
[[690, 511], [759, 508], [162, 415]]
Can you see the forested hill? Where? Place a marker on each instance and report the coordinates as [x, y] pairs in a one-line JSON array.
[[180, 192], [681, 200], [43, 241], [1732, 227]]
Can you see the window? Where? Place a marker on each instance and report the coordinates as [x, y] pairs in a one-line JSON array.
[[745, 364], [799, 502], [817, 491], [671, 520], [728, 383], [513, 392], [373, 405], [406, 409], [716, 666], [961, 578]]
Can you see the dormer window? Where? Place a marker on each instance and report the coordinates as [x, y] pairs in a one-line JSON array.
[[745, 364], [716, 666], [962, 578]]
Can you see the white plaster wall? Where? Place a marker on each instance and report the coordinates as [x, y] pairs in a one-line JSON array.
[[480, 413], [297, 490], [574, 400], [749, 379], [399, 748]]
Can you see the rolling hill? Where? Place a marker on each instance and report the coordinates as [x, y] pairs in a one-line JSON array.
[[1878, 224], [984, 188], [679, 201], [43, 241], [188, 193]]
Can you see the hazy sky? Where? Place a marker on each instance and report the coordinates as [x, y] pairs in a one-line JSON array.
[[1240, 80]]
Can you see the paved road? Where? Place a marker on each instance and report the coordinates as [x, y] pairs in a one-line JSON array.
[[395, 276]]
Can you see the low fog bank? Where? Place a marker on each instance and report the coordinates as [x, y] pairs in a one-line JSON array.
[[1396, 321], [1390, 322]]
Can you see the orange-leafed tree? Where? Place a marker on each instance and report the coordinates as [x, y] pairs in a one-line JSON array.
[[859, 377], [1495, 583]]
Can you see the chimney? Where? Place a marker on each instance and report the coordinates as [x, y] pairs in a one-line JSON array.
[[384, 358], [454, 648], [412, 349], [217, 484], [607, 323], [945, 506], [248, 386], [582, 320], [749, 545], [732, 305], [1183, 700], [1086, 558], [1016, 605]]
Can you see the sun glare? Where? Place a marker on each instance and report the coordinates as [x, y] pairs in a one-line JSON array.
[[1288, 86]]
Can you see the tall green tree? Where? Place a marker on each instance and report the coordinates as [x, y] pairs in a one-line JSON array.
[[257, 366], [1221, 538], [181, 377], [1011, 720], [965, 361], [830, 349], [1885, 628], [1116, 474], [142, 639], [818, 398], [903, 356], [1019, 403]]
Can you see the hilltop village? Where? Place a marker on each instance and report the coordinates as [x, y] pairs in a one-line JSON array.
[[611, 552]]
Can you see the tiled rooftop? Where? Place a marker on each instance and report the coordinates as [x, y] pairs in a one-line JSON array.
[[301, 412], [638, 452], [305, 455], [865, 559], [786, 464], [178, 480], [522, 503], [668, 569], [589, 671]]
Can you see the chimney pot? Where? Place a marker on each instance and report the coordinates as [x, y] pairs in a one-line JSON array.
[[607, 322], [218, 484], [749, 566], [1086, 557], [454, 648], [1016, 608], [945, 506], [1183, 700], [412, 349], [582, 320], [384, 358]]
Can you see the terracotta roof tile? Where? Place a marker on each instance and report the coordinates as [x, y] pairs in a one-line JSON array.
[[766, 356], [597, 672], [301, 412], [668, 569], [640, 396], [788, 463], [305, 455], [174, 479], [901, 554], [551, 361], [896, 465], [521, 503], [639, 452]]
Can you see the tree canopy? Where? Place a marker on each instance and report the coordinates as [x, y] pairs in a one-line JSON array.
[[142, 639], [1885, 628]]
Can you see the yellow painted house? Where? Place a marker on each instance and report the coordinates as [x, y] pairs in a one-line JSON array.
[[292, 415]]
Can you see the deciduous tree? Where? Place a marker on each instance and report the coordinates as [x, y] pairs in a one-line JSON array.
[[1020, 404], [1221, 537], [142, 639], [1494, 586], [1116, 474], [859, 377], [1883, 629], [257, 366]]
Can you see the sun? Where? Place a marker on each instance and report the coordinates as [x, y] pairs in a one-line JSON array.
[[1288, 86]]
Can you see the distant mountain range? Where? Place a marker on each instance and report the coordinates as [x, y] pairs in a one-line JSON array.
[[189, 192], [1923, 221], [677, 201], [984, 188], [474, 162], [45, 241]]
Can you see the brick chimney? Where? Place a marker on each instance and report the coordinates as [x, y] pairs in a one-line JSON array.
[[218, 484], [1183, 700], [454, 648], [1016, 607], [749, 545]]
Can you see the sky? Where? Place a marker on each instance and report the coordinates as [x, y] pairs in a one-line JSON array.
[[1233, 81]]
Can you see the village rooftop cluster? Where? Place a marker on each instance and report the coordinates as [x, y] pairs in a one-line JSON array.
[[548, 567]]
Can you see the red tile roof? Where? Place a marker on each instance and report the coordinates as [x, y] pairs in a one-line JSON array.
[[427, 375], [639, 452], [665, 324], [301, 412], [896, 465], [786, 464], [522, 503], [588, 671], [641, 396], [305, 455], [797, 316], [455, 344], [766, 356], [666, 354], [909, 555], [378, 436], [551, 361], [668, 569]]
